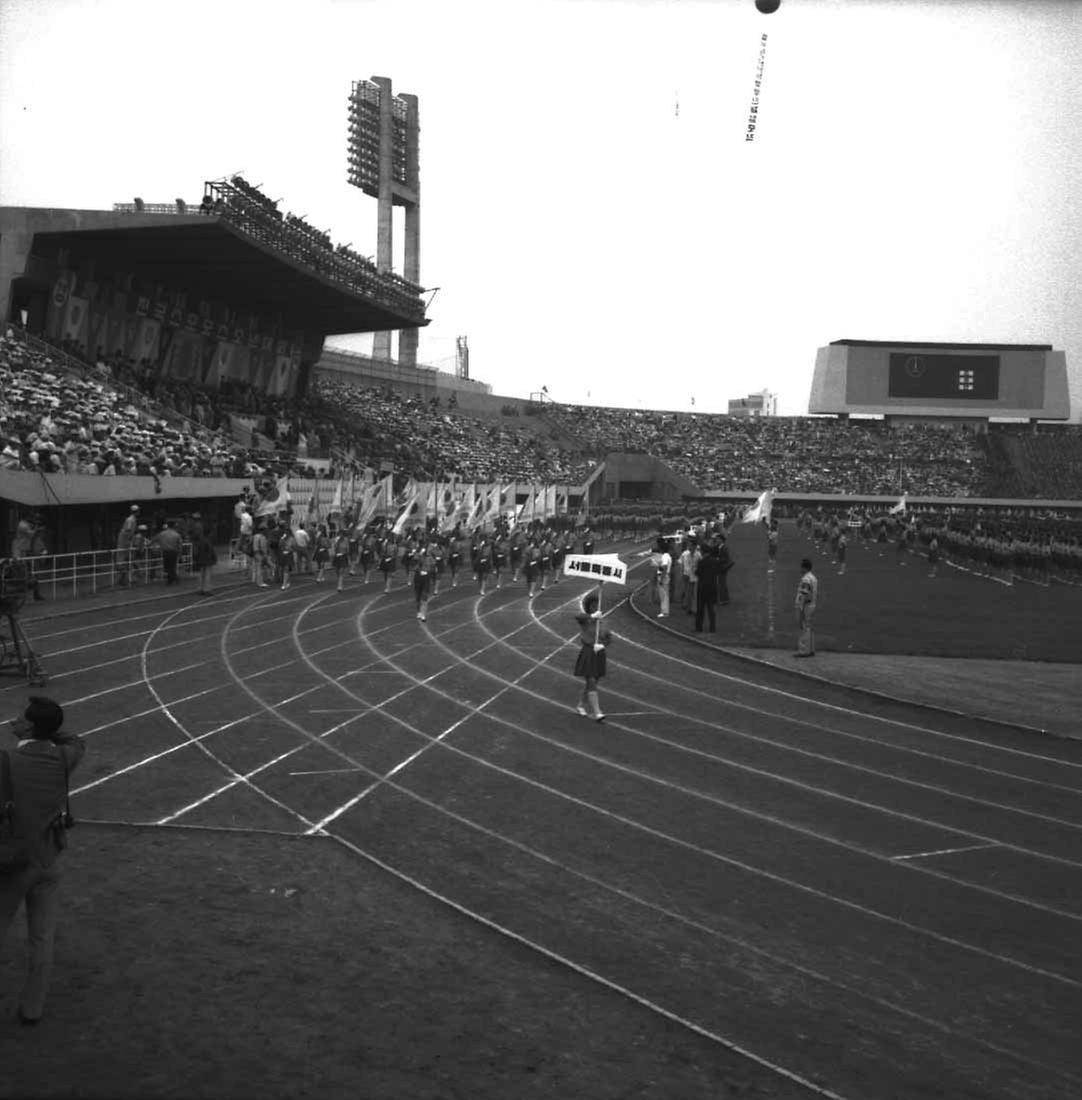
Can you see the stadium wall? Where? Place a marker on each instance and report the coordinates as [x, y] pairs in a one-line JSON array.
[[364, 370]]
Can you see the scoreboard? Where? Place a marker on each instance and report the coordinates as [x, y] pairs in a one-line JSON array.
[[977, 381]]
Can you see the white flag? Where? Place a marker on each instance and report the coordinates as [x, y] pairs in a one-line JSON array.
[[761, 508], [899, 507]]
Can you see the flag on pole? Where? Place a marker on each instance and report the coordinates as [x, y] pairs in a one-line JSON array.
[[761, 508], [899, 508], [275, 500], [313, 503], [407, 511], [370, 502], [336, 500]]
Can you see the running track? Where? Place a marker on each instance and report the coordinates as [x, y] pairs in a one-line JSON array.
[[862, 899]]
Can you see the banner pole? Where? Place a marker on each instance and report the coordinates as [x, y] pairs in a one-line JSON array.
[[597, 625]]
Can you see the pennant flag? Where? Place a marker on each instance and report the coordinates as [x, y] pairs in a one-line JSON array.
[[373, 496], [899, 508], [407, 512], [313, 503], [336, 500], [761, 508], [603, 568], [275, 500]]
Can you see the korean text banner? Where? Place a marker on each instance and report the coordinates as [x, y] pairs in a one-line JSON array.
[[606, 568]]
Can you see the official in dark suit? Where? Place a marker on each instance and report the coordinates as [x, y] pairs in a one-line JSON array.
[[39, 786], [709, 575]]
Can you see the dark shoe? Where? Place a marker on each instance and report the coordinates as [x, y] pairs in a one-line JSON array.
[[28, 1021]]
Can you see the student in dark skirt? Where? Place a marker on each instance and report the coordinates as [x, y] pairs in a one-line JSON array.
[[423, 576], [322, 553], [368, 556], [590, 664], [340, 558], [388, 559]]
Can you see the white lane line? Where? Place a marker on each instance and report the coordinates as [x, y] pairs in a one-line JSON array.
[[401, 765], [198, 742], [246, 717], [826, 758], [855, 991], [690, 846], [594, 976], [659, 654], [947, 851]]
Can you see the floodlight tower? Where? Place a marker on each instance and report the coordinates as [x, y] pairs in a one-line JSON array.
[[383, 163]]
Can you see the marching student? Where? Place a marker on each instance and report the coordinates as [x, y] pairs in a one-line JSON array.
[[259, 557], [340, 558], [354, 539], [287, 549], [840, 552], [590, 663], [388, 560], [454, 557], [532, 567], [515, 556], [422, 580], [322, 553], [438, 549], [499, 558], [482, 563], [546, 557], [369, 555], [587, 542]]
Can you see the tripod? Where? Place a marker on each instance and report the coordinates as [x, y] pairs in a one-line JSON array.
[[15, 649]]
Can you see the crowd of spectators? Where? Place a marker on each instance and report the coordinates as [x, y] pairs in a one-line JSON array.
[[57, 420], [795, 454], [245, 206], [115, 416], [429, 441]]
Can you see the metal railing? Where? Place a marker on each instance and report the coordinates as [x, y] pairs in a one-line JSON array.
[[91, 571]]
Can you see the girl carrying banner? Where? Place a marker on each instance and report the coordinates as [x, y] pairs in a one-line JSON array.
[[590, 663], [532, 567], [482, 563], [287, 549], [499, 558], [368, 556]]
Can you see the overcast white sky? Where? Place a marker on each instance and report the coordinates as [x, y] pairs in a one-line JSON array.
[[591, 211]]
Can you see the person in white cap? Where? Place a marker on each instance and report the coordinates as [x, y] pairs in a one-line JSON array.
[[123, 544]]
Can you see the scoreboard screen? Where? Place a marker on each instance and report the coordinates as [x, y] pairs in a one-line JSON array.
[[928, 374]]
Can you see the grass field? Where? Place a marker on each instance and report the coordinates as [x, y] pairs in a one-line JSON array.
[[328, 851], [881, 606]]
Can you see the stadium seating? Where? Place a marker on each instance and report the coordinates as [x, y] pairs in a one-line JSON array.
[[120, 417]]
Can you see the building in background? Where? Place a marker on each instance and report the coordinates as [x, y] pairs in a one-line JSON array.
[[764, 403]]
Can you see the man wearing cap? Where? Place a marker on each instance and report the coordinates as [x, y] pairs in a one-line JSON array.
[[39, 766], [123, 544]]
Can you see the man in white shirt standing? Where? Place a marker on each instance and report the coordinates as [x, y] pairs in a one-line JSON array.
[[301, 544], [807, 596], [663, 577]]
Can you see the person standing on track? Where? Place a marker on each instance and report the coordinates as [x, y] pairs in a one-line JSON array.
[[423, 576], [340, 558], [590, 663], [708, 575], [807, 596], [39, 767]]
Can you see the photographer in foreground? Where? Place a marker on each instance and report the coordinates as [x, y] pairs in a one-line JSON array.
[[34, 820]]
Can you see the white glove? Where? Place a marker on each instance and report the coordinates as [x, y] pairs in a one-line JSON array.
[[598, 647], [595, 614]]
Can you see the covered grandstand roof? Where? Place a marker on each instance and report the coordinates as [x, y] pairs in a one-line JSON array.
[[216, 259]]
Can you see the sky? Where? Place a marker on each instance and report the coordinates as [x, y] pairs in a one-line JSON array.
[[592, 214]]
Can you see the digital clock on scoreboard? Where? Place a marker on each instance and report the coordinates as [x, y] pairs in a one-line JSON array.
[[930, 374]]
